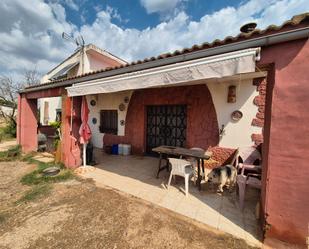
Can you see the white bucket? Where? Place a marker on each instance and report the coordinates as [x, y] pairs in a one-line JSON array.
[[120, 149], [126, 149]]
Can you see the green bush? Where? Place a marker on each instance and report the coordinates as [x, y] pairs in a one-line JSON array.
[[8, 131], [55, 124]]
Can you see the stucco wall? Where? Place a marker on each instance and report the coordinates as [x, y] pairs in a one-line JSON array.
[[199, 133], [236, 133], [70, 147], [97, 61], [109, 101], [27, 123], [286, 170], [92, 61], [202, 127]]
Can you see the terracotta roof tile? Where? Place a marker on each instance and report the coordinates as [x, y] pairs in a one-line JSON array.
[[295, 21]]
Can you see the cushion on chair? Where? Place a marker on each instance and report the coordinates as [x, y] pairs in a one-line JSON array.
[[220, 156]]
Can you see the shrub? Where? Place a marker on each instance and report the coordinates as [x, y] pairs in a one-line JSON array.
[[8, 131], [57, 126]]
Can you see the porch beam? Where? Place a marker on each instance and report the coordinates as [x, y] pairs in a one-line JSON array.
[[52, 92]]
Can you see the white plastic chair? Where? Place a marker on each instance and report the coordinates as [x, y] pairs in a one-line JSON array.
[[248, 155], [182, 168]]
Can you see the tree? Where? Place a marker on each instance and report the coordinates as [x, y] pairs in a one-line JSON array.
[[9, 91], [31, 77]]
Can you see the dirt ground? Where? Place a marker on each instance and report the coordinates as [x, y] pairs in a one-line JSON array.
[[77, 214]]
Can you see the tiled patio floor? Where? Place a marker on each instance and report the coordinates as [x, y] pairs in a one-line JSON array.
[[136, 176]]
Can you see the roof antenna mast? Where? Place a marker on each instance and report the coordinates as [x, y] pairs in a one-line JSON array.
[[80, 43]]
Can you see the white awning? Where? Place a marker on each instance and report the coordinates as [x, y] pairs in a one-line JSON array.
[[212, 67]]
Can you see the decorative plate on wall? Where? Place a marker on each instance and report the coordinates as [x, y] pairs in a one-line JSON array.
[[122, 107], [94, 120], [236, 115], [93, 102], [122, 122]]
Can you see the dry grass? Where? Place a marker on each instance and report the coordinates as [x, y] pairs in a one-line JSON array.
[[35, 193], [77, 214]]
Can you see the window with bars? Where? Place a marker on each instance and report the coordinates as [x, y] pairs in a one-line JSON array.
[[109, 121]]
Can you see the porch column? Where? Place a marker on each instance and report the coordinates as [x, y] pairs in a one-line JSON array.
[[18, 119], [27, 123], [70, 153]]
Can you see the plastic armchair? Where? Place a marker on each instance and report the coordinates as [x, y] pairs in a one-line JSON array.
[[182, 168], [248, 155]]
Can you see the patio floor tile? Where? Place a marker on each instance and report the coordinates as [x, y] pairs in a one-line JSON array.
[[136, 176], [187, 208], [231, 228], [209, 217]]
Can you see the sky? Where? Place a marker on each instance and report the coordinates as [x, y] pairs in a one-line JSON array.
[[30, 30]]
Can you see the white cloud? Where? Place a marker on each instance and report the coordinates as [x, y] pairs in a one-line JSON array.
[[153, 6], [181, 31], [166, 9], [98, 8], [113, 12], [71, 4], [31, 37]]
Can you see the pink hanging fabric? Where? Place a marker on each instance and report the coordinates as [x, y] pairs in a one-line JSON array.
[[84, 130]]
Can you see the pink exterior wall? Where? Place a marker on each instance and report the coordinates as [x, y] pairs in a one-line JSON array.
[[71, 153], [98, 61], [27, 123], [286, 190]]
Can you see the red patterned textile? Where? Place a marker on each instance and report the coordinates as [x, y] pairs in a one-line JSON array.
[[220, 156]]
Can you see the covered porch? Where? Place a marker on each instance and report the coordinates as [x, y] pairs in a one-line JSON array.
[[136, 175], [284, 88], [185, 105], [194, 95]]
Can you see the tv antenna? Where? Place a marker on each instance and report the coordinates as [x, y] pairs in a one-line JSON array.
[[79, 40], [80, 43]]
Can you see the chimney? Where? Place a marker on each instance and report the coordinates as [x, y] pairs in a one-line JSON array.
[[249, 27]]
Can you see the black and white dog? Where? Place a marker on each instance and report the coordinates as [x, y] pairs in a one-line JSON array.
[[224, 176]]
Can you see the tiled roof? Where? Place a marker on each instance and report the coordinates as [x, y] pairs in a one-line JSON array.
[[290, 24]]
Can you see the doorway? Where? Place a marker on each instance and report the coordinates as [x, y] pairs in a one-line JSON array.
[[166, 125]]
